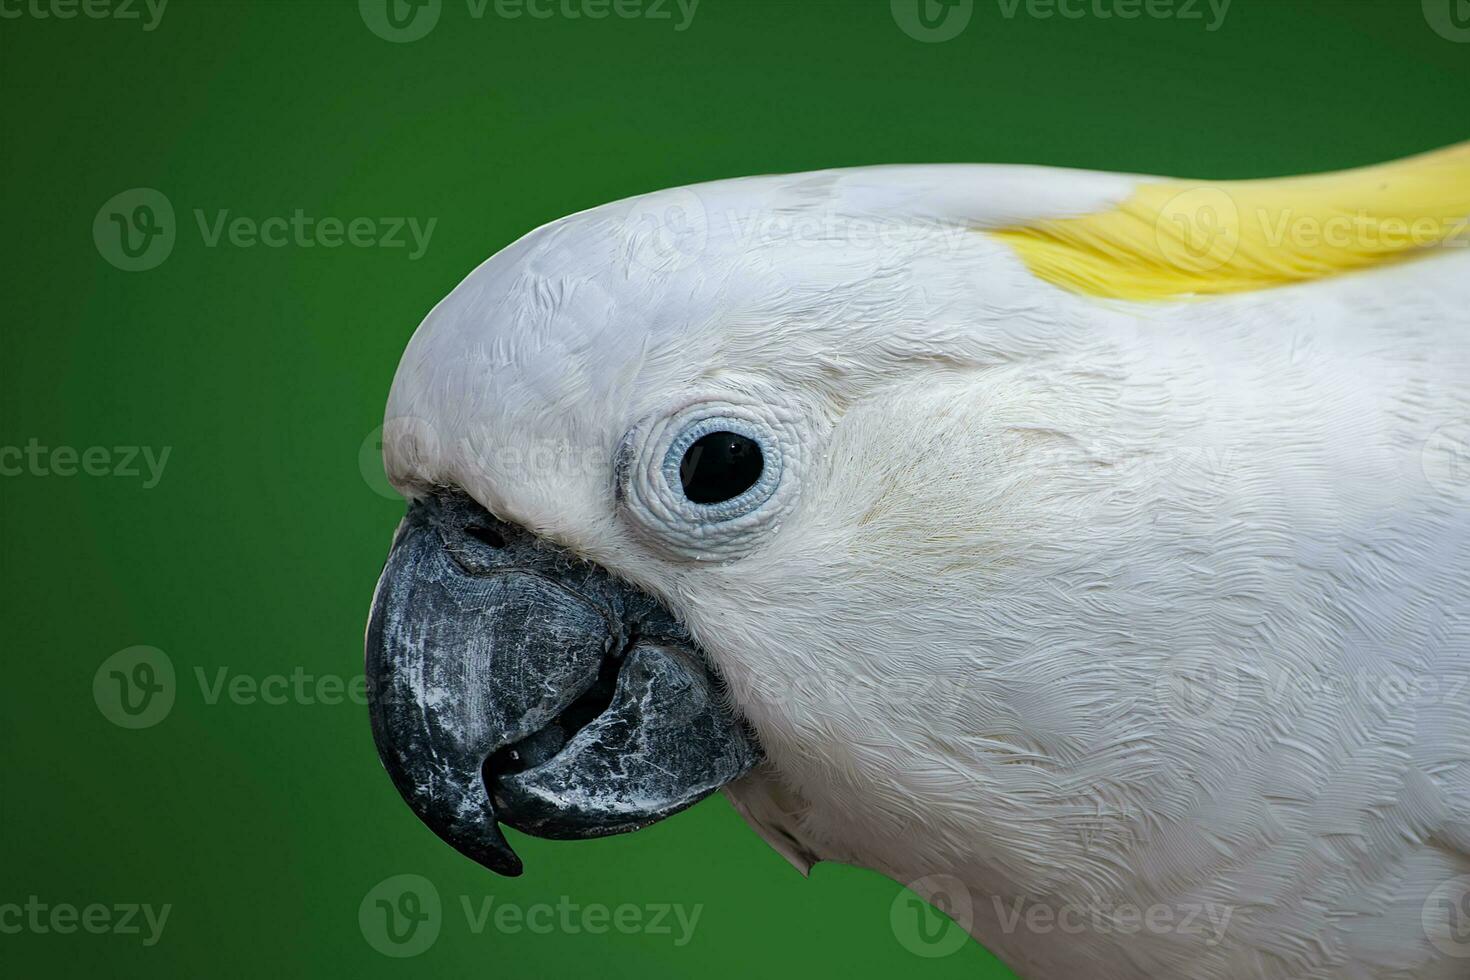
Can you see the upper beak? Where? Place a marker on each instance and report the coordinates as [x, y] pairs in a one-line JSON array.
[[509, 681]]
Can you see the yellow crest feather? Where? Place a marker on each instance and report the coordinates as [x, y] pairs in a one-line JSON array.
[[1181, 238]]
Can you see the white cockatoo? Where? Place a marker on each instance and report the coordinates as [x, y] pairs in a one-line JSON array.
[[1042, 539]]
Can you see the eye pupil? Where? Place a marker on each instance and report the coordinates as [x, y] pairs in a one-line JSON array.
[[720, 466]]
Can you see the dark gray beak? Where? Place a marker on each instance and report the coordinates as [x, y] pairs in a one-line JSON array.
[[509, 681]]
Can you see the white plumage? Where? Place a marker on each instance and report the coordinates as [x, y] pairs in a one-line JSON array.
[[1085, 603]]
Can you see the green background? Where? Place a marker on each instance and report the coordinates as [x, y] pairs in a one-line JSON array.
[[265, 369]]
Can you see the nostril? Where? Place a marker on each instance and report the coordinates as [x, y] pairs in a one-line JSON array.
[[486, 535]]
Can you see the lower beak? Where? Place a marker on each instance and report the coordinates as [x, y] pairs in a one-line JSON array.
[[511, 682]]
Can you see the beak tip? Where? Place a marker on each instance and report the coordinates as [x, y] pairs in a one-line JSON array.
[[503, 863], [485, 845]]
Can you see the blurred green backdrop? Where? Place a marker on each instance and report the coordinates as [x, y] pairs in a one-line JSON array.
[[258, 813]]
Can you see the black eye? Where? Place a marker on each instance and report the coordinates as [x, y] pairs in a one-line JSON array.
[[720, 466]]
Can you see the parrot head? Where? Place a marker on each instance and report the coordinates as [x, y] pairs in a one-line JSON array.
[[815, 488], [681, 474]]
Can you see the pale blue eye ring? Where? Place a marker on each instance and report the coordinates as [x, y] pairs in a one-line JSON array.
[[737, 488], [752, 498]]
